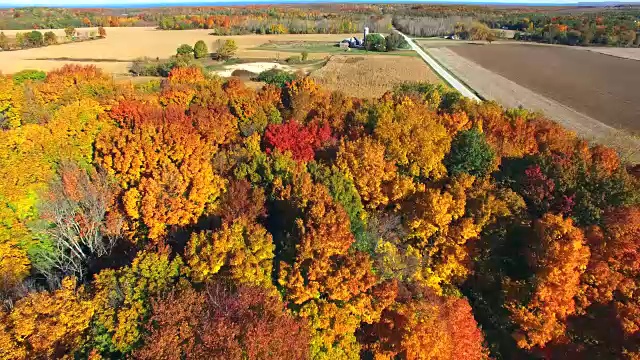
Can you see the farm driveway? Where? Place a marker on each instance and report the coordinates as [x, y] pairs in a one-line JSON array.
[[451, 80]]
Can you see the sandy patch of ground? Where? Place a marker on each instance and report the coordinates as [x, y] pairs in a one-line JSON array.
[[493, 86], [256, 68], [126, 44], [372, 75]]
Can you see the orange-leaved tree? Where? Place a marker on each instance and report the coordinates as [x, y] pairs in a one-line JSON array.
[[613, 271], [558, 258], [422, 325], [162, 162]]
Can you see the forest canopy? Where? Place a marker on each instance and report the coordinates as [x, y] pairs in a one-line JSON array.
[[204, 219]]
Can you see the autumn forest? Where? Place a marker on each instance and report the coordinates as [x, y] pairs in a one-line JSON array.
[[616, 25], [201, 219]]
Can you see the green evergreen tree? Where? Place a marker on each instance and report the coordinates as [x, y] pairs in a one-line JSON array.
[[470, 153]]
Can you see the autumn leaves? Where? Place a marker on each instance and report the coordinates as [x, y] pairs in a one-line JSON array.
[[207, 218]]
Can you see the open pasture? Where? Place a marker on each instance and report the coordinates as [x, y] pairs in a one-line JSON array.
[[122, 45], [600, 86]]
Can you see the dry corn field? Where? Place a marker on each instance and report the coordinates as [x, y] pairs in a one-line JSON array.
[[373, 75], [122, 45]]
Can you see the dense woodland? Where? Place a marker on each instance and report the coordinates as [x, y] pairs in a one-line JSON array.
[[605, 26], [202, 219]]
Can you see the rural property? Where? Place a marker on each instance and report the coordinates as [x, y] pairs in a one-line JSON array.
[[319, 181]]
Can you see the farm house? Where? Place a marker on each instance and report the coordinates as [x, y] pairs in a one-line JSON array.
[[354, 42]]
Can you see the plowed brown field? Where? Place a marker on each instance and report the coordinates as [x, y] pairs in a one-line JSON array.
[[604, 87]]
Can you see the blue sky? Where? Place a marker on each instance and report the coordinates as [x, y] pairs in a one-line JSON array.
[[133, 3]]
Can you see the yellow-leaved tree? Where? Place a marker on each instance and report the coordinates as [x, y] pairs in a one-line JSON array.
[[413, 136], [46, 325], [241, 250], [330, 285]]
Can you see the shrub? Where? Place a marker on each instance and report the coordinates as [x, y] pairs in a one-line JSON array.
[[437, 96], [25, 75], [395, 41], [491, 37], [200, 50], [470, 153], [50, 38], [149, 87], [4, 41], [184, 60], [304, 55], [149, 67], [21, 39], [184, 49], [627, 37], [573, 37], [293, 59], [226, 50], [34, 39], [102, 32], [475, 31], [375, 42], [69, 31], [276, 77]]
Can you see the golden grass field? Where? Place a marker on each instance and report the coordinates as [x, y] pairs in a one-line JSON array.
[[122, 45], [371, 75]]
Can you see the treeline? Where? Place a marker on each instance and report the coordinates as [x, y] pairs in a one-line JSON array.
[[607, 27], [297, 19], [36, 38], [425, 26], [198, 218], [31, 18], [242, 24], [586, 30]]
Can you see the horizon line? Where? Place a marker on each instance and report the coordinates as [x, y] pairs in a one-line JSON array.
[[230, 3]]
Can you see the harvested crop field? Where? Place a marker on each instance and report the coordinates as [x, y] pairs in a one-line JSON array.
[[371, 76], [600, 86], [122, 45]]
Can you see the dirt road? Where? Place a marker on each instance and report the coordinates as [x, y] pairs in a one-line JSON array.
[[451, 80]]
